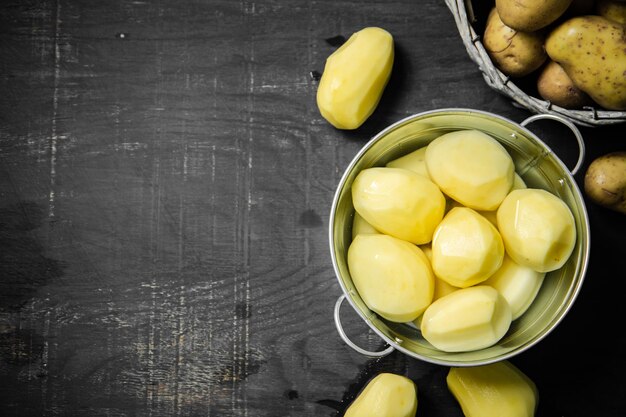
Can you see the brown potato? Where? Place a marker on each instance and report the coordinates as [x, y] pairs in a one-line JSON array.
[[614, 10], [555, 86], [605, 181], [515, 53], [530, 15], [591, 50]]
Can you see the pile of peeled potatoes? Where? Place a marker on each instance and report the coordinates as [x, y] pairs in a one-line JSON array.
[[575, 50], [457, 246]]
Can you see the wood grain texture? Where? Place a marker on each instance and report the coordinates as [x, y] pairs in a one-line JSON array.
[[165, 187]]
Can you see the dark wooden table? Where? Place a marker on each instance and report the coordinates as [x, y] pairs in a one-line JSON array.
[[165, 188]]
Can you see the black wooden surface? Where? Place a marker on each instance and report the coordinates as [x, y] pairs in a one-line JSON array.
[[165, 188]]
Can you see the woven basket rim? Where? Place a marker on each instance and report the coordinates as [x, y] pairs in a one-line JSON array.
[[588, 116]]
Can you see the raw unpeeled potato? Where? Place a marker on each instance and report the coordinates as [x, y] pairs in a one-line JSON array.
[[471, 167], [496, 390], [387, 395], [399, 202], [591, 50], [555, 86], [614, 10], [354, 78], [466, 247], [518, 285], [515, 53], [392, 276], [538, 229], [467, 319], [530, 15], [605, 181]]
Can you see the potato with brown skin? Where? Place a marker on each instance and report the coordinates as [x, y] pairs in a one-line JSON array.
[[612, 9], [515, 53], [555, 86], [530, 15], [605, 181], [592, 50]]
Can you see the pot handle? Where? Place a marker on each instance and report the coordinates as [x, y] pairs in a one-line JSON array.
[[349, 342], [572, 127]]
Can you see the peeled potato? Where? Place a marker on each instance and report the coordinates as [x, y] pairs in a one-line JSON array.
[[362, 227], [466, 247], [471, 167], [387, 395], [495, 390], [467, 319], [518, 285], [414, 161], [392, 276], [538, 229], [354, 78], [399, 202], [442, 289], [518, 184]]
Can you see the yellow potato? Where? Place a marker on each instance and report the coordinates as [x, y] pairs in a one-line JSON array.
[[496, 390], [387, 395], [413, 161], [518, 285], [354, 78], [467, 319], [399, 202], [515, 53], [428, 251], [531, 15], [362, 227], [471, 167], [442, 289], [518, 184], [538, 229], [392, 276], [466, 247], [591, 50]]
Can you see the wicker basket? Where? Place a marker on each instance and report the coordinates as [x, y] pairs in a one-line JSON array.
[[588, 116]]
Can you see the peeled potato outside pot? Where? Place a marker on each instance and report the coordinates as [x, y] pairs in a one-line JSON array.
[[354, 78]]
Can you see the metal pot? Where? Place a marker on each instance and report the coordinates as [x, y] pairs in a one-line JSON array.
[[535, 163]]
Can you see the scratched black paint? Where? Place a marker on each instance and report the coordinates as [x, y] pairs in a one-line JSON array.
[[24, 266]]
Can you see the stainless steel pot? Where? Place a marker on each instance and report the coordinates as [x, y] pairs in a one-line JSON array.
[[535, 163]]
